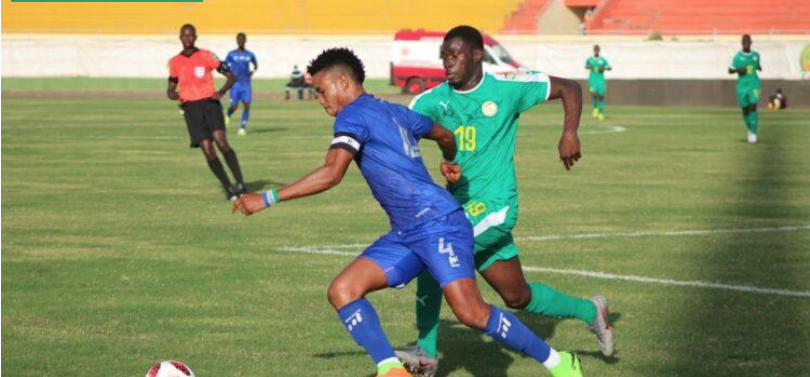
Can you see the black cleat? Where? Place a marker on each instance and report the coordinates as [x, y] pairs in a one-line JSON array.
[[231, 193], [241, 189]]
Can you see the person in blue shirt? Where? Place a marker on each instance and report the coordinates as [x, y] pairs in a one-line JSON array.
[[239, 61], [429, 231]]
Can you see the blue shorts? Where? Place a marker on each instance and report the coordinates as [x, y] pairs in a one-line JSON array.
[[443, 246], [241, 93]]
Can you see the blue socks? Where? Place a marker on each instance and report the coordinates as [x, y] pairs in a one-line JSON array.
[[245, 117], [507, 329], [361, 320]]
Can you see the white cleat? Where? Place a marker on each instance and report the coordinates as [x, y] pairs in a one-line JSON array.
[[418, 362], [601, 327], [752, 138]]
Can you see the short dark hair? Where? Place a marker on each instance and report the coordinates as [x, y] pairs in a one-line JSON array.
[[468, 34], [241, 34], [190, 26], [338, 56]]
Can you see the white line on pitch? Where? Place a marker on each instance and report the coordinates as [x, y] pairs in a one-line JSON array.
[[664, 233], [668, 233], [608, 130], [682, 283], [326, 250]]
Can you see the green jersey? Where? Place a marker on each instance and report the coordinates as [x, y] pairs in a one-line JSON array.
[[597, 66], [484, 121], [749, 61]]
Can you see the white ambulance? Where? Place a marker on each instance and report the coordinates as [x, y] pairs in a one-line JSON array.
[[416, 65]]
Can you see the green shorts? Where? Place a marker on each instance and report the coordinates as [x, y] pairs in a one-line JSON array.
[[597, 86], [747, 96], [492, 222]]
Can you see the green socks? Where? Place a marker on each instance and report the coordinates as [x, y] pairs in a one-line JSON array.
[[545, 301], [428, 307], [752, 121], [601, 105], [548, 302]]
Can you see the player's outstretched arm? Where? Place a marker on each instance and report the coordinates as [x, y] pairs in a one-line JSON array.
[[447, 143], [571, 95], [321, 179]]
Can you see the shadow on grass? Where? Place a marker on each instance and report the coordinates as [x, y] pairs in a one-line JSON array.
[[462, 348], [261, 185], [262, 130], [733, 334]]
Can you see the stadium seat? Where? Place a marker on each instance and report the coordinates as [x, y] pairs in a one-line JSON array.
[[700, 17]]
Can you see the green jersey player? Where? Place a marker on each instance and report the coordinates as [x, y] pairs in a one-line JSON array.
[[746, 64], [597, 65], [482, 110]]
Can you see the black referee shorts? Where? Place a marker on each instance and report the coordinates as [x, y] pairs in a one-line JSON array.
[[203, 117]]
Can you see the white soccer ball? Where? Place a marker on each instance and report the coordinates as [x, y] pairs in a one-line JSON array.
[[170, 368]]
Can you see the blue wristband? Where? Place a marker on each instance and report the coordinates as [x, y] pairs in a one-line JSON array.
[[270, 198]]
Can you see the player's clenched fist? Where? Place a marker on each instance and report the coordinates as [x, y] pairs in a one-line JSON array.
[[451, 171], [249, 204], [569, 149]]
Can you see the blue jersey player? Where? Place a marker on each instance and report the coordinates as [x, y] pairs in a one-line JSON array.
[[239, 61], [429, 231]]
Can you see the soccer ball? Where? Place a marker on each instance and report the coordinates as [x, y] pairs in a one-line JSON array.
[[170, 368]]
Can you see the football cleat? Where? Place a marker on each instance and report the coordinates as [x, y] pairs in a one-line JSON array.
[[595, 113], [227, 121], [242, 132], [231, 193], [569, 366], [752, 138], [396, 372], [601, 327], [418, 362], [241, 189], [601, 116]]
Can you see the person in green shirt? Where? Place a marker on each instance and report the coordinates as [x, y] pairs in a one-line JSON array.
[[745, 64], [482, 110], [597, 65]]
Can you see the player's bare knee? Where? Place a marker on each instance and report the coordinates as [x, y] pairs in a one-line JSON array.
[[208, 151], [342, 292], [517, 300], [474, 316], [223, 145]]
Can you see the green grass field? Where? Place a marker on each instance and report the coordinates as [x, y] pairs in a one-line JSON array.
[[119, 249]]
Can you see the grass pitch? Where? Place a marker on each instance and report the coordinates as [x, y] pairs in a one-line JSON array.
[[118, 248]]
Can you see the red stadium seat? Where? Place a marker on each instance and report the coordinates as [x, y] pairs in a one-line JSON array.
[[701, 17]]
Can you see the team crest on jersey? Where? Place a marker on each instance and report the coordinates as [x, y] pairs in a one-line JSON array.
[[489, 108], [199, 72]]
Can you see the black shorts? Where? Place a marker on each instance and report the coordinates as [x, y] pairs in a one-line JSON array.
[[203, 117]]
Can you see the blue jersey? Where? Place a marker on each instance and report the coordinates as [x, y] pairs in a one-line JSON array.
[[383, 137], [239, 62]]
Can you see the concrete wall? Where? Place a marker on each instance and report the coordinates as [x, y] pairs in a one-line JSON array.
[[147, 56], [558, 19], [708, 93]]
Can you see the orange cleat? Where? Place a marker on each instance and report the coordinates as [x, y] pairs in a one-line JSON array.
[[396, 372]]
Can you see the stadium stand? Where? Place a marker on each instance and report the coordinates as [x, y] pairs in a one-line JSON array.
[[700, 17], [525, 18], [254, 16]]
